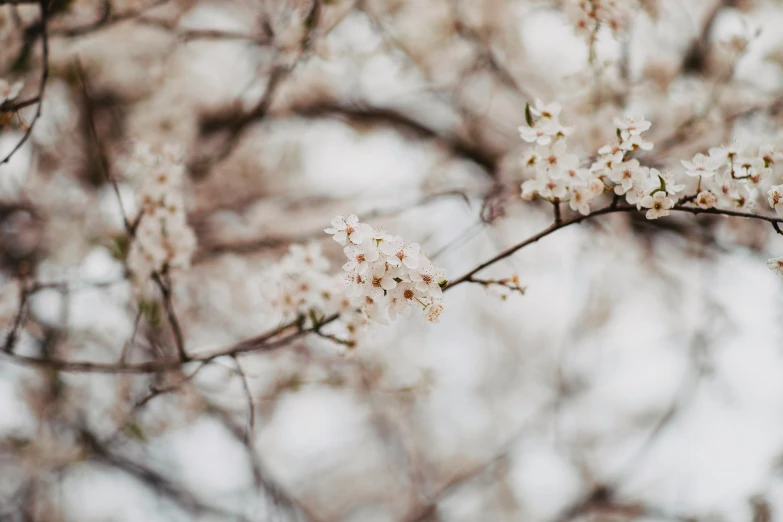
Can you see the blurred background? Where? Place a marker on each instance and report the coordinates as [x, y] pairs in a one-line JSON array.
[[638, 378]]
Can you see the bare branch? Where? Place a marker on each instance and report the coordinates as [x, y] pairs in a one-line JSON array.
[[43, 30]]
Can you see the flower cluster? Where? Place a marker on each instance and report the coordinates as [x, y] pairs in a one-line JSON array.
[[590, 15], [642, 186], [163, 239], [728, 177], [731, 176], [386, 277], [300, 286], [9, 91], [559, 178]]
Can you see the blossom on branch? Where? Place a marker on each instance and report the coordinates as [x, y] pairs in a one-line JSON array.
[[384, 275], [9, 91], [162, 238]]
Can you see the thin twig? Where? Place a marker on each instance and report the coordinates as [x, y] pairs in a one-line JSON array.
[[42, 84], [106, 19], [164, 284], [13, 107], [278, 337], [10, 340], [251, 407], [103, 160]]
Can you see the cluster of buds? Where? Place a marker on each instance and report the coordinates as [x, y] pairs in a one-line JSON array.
[[163, 239], [386, 277], [590, 15], [300, 287]]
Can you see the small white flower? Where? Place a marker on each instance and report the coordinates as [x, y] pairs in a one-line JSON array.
[[538, 133], [347, 229], [532, 188], [580, 199], [776, 265], [769, 154], [635, 195], [624, 174], [701, 165], [553, 188], [631, 126], [727, 152], [381, 277], [428, 278], [706, 199], [635, 142], [356, 283], [360, 256], [546, 110], [775, 198], [555, 162], [9, 92], [399, 253], [659, 205], [606, 162], [374, 309], [434, 312], [668, 178], [401, 298]]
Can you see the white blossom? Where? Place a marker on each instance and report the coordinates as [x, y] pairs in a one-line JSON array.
[[384, 276], [347, 229], [434, 312], [775, 198], [706, 199], [360, 256], [776, 265], [580, 199], [399, 253], [701, 165], [631, 126], [659, 205], [163, 239], [9, 91]]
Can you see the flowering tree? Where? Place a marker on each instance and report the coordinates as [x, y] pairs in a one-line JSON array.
[[180, 335]]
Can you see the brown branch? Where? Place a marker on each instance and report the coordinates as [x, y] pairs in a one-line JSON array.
[[164, 284], [10, 340], [236, 127], [155, 391], [277, 338], [358, 113], [259, 343], [466, 278], [42, 84], [103, 159], [487, 54], [98, 452], [13, 107], [107, 19], [251, 406], [210, 250]]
